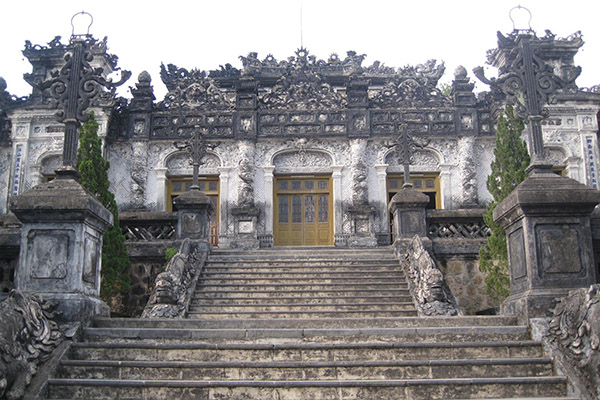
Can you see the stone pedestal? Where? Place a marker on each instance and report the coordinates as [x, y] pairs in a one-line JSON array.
[[408, 212], [193, 212], [244, 228], [363, 226], [547, 224], [61, 247]]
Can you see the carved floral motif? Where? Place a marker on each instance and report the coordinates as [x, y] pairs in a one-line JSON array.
[[192, 90], [305, 158]]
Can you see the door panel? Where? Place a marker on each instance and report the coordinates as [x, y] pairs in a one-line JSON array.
[[303, 210]]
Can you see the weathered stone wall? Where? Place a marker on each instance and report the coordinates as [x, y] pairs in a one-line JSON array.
[[467, 282], [147, 261]]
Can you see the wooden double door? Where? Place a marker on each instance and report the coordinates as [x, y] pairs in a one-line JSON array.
[[303, 211]]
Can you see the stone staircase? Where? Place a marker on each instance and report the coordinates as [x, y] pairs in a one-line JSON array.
[[306, 324]]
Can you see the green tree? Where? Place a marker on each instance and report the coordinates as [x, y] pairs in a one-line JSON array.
[[511, 158], [94, 177]]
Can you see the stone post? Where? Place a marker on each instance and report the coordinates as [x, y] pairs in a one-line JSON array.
[[61, 247], [547, 224], [193, 212], [408, 212]]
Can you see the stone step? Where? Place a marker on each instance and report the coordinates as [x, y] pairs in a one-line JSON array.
[[418, 334], [270, 307], [294, 308], [282, 262], [304, 370], [305, 300], [284, 287], [310, 279], [413, 389], [271, 352], [405, 322], [296, 292], [195, 312], [341, 268], [308, 275]]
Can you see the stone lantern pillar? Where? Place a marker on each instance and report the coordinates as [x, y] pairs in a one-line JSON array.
[[547, 224], [408, 212], [193, 212], [61, 247]]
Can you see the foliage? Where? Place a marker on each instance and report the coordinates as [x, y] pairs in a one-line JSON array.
[[170, 253], [445, 88], [508, 170], [94, 177]]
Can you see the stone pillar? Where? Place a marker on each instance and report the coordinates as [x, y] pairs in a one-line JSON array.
[[547, 224], [193, 211], [446, 186], [224, 201], [161, 189], [268, 176], [61, 247], [362, 214], [408, 216], [336, 177], [382, 199]]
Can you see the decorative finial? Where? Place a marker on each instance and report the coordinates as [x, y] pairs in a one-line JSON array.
[[521, 19], [80, 20], [460, 72]]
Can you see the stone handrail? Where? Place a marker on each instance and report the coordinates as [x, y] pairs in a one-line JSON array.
[[28, 335], [147, 226], [430, 290], [574, 337], [175, 286], [452, 224]]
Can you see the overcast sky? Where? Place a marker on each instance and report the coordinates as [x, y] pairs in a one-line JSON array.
[[206, 34]]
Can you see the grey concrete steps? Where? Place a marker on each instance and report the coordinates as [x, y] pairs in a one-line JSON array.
[[434, 389], [307, 281], [306, 324], [324, 274], [309, 351], [300, 370], [429, 334], [404, 322], [304, 300], [269, 307], [201, 313], [216, 292]]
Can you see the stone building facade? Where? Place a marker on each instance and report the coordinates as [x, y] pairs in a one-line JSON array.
[[300, 151]]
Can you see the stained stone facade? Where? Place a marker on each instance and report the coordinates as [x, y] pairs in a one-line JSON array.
[[273, 120]]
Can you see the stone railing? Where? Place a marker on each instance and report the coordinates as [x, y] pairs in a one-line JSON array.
[[148, 226], [458, 224], [457, 232], [175, 286]]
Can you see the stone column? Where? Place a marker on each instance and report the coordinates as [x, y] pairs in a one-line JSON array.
[[467, 170], [193, 212], [245, 214], [382, 199], [224, 201], [268, 176], [547, 224], [61, 247], [362, 214], [161, 189], [446, 186], [338, 215]]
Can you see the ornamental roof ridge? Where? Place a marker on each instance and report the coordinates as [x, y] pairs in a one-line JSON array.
[[334, 67]]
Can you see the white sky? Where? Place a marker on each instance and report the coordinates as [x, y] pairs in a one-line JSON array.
[[205, 34]]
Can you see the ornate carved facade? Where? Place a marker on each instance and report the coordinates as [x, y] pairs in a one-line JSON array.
[[325, 128]]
